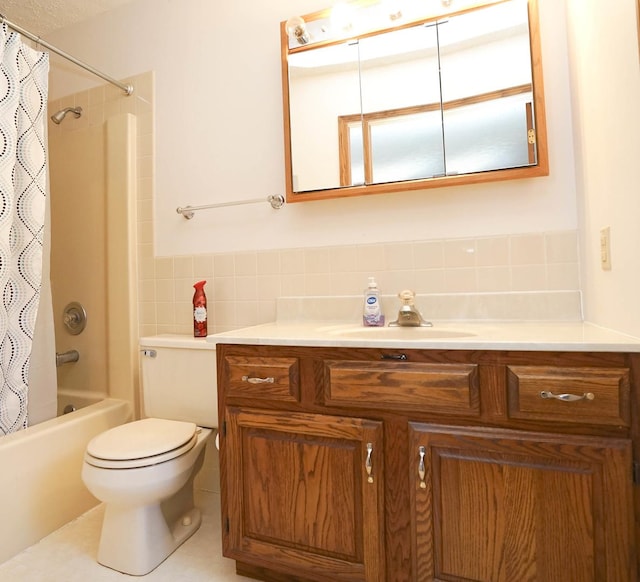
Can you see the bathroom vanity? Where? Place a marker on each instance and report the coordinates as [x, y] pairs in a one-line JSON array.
[[479, 456]]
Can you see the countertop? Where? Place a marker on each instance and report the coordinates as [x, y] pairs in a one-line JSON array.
[[450, 335]]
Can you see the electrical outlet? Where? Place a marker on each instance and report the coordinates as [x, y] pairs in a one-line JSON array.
[[605, 248]]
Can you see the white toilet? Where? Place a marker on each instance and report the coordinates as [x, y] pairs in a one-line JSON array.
[[143, 471]]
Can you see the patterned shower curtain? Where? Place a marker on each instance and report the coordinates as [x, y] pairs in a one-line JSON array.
[[23, 185]]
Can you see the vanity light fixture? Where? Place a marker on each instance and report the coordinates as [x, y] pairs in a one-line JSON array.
[[392, 9], [342, 15], [297, 30]]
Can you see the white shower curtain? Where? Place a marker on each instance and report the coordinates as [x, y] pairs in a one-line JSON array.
[[23, 189]]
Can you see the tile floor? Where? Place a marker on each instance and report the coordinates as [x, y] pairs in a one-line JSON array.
[[68, 554]]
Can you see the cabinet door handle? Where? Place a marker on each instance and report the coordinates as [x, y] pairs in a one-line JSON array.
[[421, 470], [402, 357], [367, 464], [568, 397], [258, 380]]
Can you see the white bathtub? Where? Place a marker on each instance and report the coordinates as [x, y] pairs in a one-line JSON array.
[[40, 484], [71, 400]]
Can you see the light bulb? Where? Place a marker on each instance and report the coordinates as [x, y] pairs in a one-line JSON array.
[[297, 30]]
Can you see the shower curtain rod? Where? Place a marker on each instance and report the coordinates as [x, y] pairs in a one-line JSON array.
[[128, 89]]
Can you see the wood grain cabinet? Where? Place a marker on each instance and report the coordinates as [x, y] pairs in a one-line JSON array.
[[307, 493], [509, 505], [428, 465]]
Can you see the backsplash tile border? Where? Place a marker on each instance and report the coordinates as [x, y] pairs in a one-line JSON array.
[[243, 288], [509, 306]]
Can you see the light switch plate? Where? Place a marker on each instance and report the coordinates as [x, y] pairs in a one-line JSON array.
[[605, 248]]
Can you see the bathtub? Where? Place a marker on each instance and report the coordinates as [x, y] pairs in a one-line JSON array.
[[71, 400], [40, 484]]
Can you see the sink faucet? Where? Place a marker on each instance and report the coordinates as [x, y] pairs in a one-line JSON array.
[[409, 316]]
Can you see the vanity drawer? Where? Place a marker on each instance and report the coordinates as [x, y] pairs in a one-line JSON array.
[[598, 396], [262, 378], [440, 388]]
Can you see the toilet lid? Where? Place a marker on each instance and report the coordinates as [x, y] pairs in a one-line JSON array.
[[142, 439]]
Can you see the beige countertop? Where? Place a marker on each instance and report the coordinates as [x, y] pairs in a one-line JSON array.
[[451, 335]]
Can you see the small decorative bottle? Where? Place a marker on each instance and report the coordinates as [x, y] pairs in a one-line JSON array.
[[199, 310]]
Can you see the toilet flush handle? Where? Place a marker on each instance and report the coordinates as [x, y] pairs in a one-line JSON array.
[[149, 353]]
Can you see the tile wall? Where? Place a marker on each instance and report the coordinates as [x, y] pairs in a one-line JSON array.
[[102, 102], [243, 287], [105, 101]]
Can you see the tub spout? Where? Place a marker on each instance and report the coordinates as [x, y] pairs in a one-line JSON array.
[[67, 357]]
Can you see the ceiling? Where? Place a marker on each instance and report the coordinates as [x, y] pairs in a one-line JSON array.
[[43, 16]]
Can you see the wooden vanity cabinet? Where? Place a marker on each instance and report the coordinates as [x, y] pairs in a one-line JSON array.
[[512, 505], [301, 500], [354, 465], [302, 491]]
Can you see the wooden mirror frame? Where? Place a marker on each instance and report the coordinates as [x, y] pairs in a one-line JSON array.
[[537, 170]]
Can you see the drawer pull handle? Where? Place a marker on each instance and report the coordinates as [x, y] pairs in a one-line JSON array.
[[402, 357], [258, 380], [421, 470], [367, 464], [567, 397]]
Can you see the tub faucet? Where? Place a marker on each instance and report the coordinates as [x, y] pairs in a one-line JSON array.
[[409, 316], [67, 357]]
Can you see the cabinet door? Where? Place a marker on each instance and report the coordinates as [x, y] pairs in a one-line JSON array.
[[497, 506], [304, 494]]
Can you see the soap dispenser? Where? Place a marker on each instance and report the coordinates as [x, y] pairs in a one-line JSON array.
[[372, 315]]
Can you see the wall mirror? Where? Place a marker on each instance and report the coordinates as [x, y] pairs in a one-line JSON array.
[[386, 100]]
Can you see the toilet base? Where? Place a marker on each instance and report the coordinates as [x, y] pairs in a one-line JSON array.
[[136, 540]]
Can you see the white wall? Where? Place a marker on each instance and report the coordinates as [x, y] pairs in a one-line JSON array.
[[606, 108], [219, 134]]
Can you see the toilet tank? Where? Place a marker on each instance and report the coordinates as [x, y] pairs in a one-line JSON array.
[[178, 379]]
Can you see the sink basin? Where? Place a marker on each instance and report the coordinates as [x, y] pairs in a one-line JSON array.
[[397, 333]]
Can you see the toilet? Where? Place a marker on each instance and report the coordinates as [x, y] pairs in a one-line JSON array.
[[143, 471]]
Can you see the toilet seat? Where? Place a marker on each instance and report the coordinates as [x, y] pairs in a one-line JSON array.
[[141, 443]]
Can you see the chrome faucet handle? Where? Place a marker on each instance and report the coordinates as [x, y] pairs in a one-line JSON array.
[[407, 296], [408, 315]]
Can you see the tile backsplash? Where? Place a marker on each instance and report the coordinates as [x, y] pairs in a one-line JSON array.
[[536, 306], [243, 287]]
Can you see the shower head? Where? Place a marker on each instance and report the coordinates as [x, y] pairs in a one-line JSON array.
[[60, 115]]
